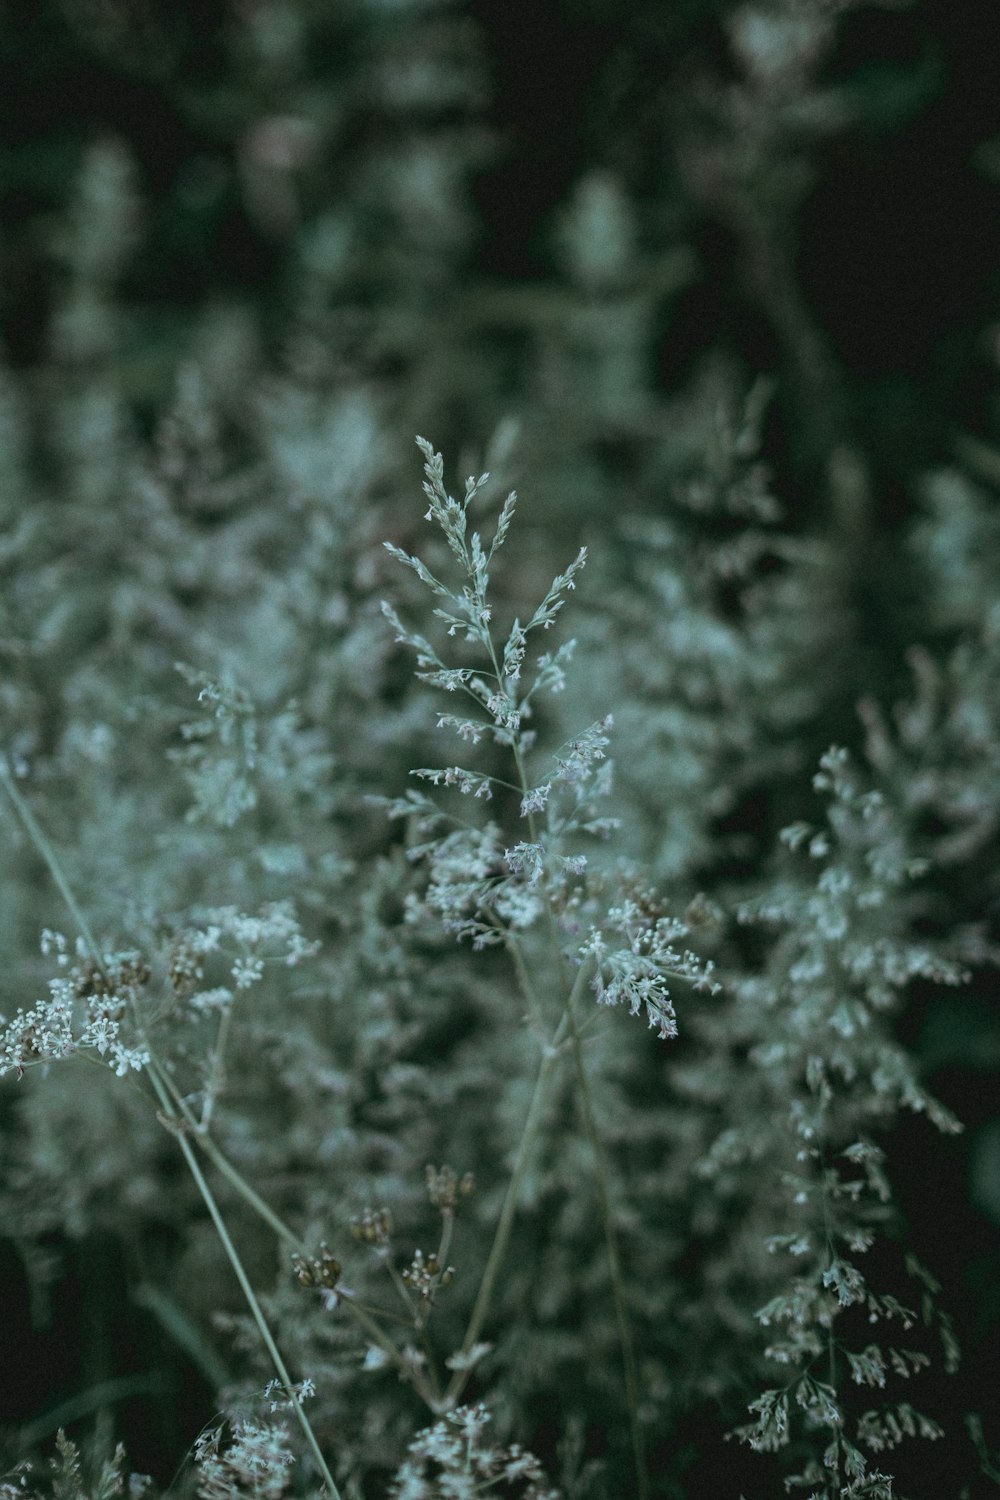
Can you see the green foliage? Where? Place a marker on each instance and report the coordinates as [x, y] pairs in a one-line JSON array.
[[330, 1155], [793, 1073]]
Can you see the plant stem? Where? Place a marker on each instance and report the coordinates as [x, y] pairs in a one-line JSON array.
[[600, 1168], [45, 849], [502, 1233], [251, 1297], [527, 988], [222, 1163], [614, 1262], [156, 1074], [254, 1201], [217, 1074]]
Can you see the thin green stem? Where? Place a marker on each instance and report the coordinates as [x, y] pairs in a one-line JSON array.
[[166, 1103], [401, 1289], [254, 1201], [249, 1194], [527, 988], [216, 1076], [222, 1163], [418, 1323], [625, 1337], [45, 849], [364, 1320], [354, 1301], [502, 1233], [447, 1229], [614, 1261]]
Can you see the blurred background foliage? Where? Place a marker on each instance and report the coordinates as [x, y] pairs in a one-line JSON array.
[[715, 283]]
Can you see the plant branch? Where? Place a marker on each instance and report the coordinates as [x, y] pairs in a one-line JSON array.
[[191, 1159], [622, 1318]]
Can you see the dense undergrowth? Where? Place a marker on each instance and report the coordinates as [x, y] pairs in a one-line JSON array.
[[499, 987]]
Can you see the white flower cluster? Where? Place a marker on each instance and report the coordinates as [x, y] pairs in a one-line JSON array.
[[535, 799], [577, 761], [452, 1458], [98, 1003], [634, 958], [527, 860], [255, 1460], [480, 886], [92, 1005], [255, 938], [456, 776], [277, 1397], [477, 888]]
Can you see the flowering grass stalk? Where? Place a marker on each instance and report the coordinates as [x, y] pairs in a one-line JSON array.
[[493, 886]]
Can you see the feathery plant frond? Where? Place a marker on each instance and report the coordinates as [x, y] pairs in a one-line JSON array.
[[496, 888], [480, 886], [815, 1058]]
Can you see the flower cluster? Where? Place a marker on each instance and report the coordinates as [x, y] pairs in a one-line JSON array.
[[834, 1072], [634, 960], [453, 1458], [92, 1006], [484, 886], [245, 943], [101, 1002], [254, 1460]]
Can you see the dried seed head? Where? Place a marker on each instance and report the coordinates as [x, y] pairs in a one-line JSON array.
[[322, 1271], [444, 1187], [328, 1267], [373, 1227], [303, 1271]]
